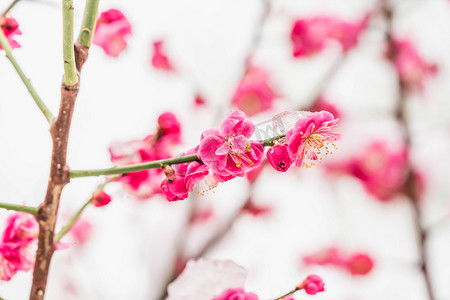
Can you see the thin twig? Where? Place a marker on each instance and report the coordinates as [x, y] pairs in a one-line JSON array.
[[9, 7], [17, 207], [43, 108]]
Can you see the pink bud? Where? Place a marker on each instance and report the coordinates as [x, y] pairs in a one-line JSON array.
[[278, 156], [312, 285], [100, 198], [360, 264], [236, 294], [169, 127]]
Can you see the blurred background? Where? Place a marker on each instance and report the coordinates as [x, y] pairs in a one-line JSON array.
[[132, 248]]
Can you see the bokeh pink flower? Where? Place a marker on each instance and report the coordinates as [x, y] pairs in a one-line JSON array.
[[112, 32], [254, 93], [10, 28], [160, 60]]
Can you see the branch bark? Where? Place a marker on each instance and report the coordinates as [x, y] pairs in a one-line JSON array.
[[59, 171]]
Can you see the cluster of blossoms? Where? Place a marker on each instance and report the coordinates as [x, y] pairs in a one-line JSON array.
[[146, 183], [112, 32], [227, 152], [10, 28], [224, 280], [380, 167], [355, 263], [309, 36], [411, 67], [254, 93], [18, 245]]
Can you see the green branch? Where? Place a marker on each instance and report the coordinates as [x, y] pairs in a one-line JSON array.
[[157, 164], [7, 48], [22, 208], [70, 71], [89, 22], [72, 221], [9, 8]]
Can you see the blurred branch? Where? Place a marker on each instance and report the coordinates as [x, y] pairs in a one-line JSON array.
[[9, 7], [7, 48], [22, 208], [411, 184]]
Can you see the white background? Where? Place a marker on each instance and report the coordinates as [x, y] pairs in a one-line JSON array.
[[130, 251]]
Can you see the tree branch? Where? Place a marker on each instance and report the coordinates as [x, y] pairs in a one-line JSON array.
[[59, 171], [22, 208], [44, 109], [9, 7], [70, 71]]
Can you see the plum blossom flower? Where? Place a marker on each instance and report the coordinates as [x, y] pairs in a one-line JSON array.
[[311, 137], [81, 231], [112, 32], [236, 294], [10, 28], [412, 68], [380, 167], [312, 285], [205, 279], [227, 151], [159, 58], [174, 188], [100, 198], [310, 35], [359, 264], [254, 94], [356, 264], [18, 245], [146, 183], [279, 158]]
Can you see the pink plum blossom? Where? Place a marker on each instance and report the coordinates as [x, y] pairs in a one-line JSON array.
[[312, 285], [18, 245], [279, 158], [254, 94], [100, 198], [311, 137], [411, 67], [169, 128], [81, 231], [10, 28], [236, 294], [310, 35], [159, 58], [146, 183], [380, 167], [359, 264], [227, 151], [174, 189], [112, 32]]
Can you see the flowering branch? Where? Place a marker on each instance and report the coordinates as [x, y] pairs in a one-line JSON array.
[[10, 7], [17, 207], [70, 71], [44, 109], [157, 164]]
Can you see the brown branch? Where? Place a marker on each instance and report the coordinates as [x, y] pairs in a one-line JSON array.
[[411, 185], [59, 177]]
